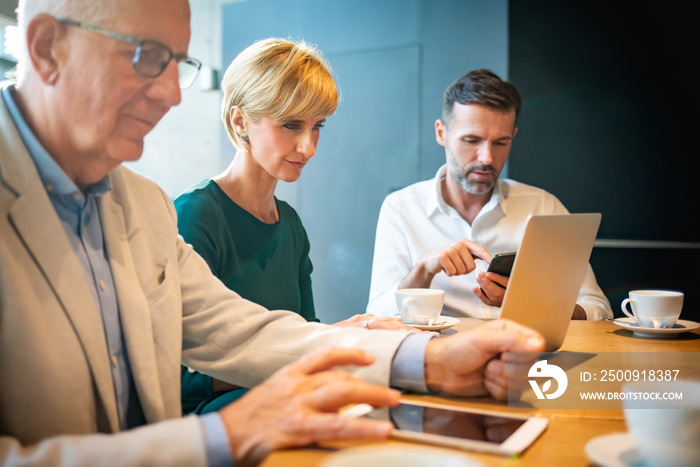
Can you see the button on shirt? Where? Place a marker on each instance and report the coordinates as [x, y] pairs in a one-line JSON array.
[[416, 219]]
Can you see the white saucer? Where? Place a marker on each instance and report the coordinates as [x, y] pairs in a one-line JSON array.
[[680, 327], [443, 322], [614, 450]]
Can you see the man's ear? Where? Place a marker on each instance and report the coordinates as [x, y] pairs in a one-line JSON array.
[[43, 35], [440, 132]]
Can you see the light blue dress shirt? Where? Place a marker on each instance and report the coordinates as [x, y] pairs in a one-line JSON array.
[[80, 216]]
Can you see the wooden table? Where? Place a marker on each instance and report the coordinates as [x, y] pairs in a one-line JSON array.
[[569, 429]]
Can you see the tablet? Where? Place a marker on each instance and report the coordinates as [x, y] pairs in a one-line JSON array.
[[457, 427]]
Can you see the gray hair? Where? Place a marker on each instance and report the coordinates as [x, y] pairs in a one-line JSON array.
[[89, 11]]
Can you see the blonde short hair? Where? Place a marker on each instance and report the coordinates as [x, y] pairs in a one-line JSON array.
[[277, 78]]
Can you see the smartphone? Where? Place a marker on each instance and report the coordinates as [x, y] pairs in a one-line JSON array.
[[502, 264], [463, 428]]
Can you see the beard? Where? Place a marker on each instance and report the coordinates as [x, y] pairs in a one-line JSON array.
[[461, 176]]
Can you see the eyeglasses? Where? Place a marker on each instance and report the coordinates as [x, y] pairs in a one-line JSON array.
[[151, 58]]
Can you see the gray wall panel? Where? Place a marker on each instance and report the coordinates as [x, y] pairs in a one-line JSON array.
[[392, 60]]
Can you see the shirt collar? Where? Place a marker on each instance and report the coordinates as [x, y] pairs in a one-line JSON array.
[[436, 203], [54, 179]]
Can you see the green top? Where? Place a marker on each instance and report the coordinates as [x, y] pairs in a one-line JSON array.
[[268, 264]]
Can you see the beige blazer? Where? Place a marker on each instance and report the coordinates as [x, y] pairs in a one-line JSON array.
[[54, 367]]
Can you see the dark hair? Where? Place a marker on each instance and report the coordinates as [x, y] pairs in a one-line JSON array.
[[481, 87]]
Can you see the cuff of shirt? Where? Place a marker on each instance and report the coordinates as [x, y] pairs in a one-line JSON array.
[[408, 365], [216, 440]]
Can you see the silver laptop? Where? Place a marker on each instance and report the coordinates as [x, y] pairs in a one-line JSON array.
[[549, 268]]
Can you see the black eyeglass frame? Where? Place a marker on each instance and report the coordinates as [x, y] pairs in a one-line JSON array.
[[191, 63]]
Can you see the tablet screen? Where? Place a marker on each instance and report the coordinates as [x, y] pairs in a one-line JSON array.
[[454, 423]]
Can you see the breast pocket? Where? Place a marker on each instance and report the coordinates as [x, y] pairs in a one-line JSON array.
[[164, 289]]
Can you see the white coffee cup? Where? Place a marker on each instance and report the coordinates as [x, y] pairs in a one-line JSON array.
[[665, 431], [420, 306], [654, 308]]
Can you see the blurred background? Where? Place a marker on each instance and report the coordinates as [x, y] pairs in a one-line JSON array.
[[608, 122]]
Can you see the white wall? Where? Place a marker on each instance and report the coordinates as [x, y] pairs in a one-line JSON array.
[[184, 148]]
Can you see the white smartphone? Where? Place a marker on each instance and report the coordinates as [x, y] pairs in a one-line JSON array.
[[464, 428]]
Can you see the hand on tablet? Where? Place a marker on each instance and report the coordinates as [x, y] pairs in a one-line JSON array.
[[299, 405]]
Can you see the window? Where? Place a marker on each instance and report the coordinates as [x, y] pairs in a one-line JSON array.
[[9, 47]]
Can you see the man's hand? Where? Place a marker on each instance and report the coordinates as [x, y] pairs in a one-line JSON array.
[[579, 312], [455, 259], [492, 288], [299, 405], [475, 363]]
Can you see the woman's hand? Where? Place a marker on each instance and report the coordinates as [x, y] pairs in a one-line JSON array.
[[369, 321]]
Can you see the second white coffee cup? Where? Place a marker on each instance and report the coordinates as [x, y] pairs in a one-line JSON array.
[[419, 306], [654, 308]]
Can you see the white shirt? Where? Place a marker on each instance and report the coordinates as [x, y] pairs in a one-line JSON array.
[[416, 219]]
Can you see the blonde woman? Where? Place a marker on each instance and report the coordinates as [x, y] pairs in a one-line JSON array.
[[277, 96]]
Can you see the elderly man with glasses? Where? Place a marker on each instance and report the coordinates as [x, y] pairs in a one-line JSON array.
[[101, 300]]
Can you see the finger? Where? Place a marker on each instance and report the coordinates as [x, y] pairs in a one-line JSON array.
[[459, 258], [489, 293], [481, 295], [330, 397], [446, 262], [353, 321], [516, 381], [495, 290], [497, 390], [501, 383], [389, 325], [466, 257], [499, 336], [322, 427], [477, 250], [502, 281], [325, 359], [497, 372], [503, 392]]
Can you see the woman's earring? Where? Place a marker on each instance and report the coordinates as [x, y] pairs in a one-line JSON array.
[[244, 135]]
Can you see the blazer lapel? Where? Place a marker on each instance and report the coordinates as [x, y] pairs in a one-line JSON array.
[[38, 225], [133, 308]]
